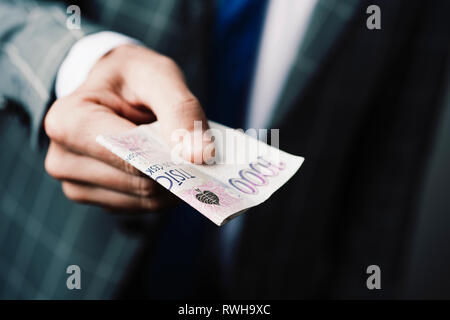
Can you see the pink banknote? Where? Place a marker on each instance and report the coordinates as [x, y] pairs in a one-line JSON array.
[[246, 171]]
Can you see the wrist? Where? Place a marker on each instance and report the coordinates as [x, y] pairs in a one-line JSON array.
[[82, 57]]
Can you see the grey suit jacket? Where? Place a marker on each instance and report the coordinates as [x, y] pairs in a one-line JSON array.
[[358, 104], [41, 232]]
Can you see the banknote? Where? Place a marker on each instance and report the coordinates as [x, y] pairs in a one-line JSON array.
[[246, 171]]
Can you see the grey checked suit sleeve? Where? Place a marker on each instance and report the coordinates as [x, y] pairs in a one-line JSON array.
[[34, 41]]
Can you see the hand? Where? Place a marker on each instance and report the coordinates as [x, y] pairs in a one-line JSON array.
[[128, 86]]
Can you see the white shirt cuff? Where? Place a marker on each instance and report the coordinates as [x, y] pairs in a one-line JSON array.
[[82, 57]]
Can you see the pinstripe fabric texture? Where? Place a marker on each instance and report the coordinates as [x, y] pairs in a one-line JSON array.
[[327, 23], [41, 232]]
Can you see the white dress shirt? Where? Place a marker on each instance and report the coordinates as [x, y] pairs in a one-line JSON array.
[[284, 27]]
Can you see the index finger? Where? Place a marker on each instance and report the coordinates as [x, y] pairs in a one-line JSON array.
[[76, 124]]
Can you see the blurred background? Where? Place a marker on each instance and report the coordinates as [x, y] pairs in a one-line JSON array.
[[428, 275]]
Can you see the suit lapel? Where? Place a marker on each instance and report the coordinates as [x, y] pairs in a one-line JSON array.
[[327, 23]]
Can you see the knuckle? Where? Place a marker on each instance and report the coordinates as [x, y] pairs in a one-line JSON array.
[[142, 186], [167, 62], [149, 203], [53, 162], [79, 119], [166, 67], [56, 162], [63, 118], [52, 122], [51, 166], [72, 192], [189, 105], [126, 167]]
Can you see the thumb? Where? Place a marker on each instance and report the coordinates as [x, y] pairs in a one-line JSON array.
[[181, 117], [185, 126]]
